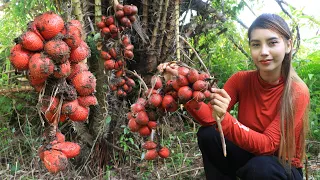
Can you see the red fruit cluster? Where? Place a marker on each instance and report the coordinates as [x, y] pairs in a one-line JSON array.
[[122, 85], [126, 14], [140, 120], [153, 151], [55, 154], [53, 51], [115, 53], [48, 48]]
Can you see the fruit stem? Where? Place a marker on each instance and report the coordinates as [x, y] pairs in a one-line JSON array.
[[223, 142]]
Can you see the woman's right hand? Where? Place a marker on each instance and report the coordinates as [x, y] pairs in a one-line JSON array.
[[220, 102]]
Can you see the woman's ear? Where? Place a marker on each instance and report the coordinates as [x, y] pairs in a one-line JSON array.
[[288, 46]]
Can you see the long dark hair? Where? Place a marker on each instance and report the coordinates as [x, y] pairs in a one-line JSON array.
[[287, 150]]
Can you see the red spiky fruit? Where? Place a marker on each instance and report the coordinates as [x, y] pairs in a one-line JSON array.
[[69, 107], [49, 25], [31, 41], [19, 57], [200, 86], [149, 145], [152, 124], [87, 101], [164, 152], [193, 76], [183, 71], [155, 100], [144, 131], [85, 83], [151, 154], [40, 66], [77, 68], [142, 118], [80, 53], [169, 104], [185, 94], [55, 161], [70, 149], [156, 82], [133, 125], [81, 114], [62, 70], [57, 50], [73, 36]]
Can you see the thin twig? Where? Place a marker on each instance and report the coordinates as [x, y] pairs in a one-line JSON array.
[[223, 142], [139, 77], [200, 60], [185, 171]]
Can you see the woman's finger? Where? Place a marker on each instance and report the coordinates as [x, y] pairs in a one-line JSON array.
[[220, 98], [219, 103], [222, 92]]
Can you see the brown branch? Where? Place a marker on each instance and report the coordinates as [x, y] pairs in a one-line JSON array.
[[139, 77], [195, 52], [16, 89], [163, 24], [239, 47], [145, 15]]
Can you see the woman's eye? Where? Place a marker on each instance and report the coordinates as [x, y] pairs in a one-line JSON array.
[[254, 45], [273, 42]]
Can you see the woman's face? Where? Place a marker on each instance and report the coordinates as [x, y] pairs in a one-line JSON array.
[[268, 49]]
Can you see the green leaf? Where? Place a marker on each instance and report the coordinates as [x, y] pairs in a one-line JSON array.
[[108, 119]]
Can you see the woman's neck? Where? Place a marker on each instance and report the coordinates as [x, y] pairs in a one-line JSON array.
[[270, 77]]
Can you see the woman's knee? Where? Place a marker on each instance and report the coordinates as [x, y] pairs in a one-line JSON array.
[[262, 167], [206, 133]]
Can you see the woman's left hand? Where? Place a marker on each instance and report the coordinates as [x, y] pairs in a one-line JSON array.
[[220, 102]]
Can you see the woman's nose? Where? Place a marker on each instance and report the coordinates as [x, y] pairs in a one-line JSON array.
[[264, 50]]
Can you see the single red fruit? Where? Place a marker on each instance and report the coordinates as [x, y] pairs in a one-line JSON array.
[[169, 104], [144, 131], [151, 154], [142, 118], [193, 75], [183, 71], [200, 86], [80, 53], [109, 64], [185, 94], [55, 161], [152, 124], [77, 68], [155, 100], [133, 125], [31, 41], [69, 107], [40, 66], [62, 70], [81, 114], [73, 36], [57, 50], [87, 101], [70, 149], [20, 57], [164, 152], [198, 96], [149, 145], [85, 83], [49, 25]]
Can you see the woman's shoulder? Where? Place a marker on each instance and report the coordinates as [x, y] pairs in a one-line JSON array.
[[244, 74], [300, 88]]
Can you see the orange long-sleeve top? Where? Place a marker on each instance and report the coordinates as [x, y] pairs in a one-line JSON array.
[[257, 127]]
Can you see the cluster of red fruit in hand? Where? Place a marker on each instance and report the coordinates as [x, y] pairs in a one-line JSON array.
[[116, 53], [179, 84], [53, 53]]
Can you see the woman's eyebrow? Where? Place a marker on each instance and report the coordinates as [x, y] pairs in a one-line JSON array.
[[256, 40]]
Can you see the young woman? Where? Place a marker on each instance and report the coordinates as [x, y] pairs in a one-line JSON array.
[[267, 140]]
